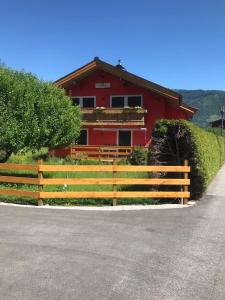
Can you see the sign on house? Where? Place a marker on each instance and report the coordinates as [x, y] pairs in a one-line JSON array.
[[102, 85]]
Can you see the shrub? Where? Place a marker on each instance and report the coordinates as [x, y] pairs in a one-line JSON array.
[[29, 157], [138, 157], [216, 130], [175, 140]]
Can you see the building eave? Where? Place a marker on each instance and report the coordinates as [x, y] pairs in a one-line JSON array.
[[84, 71], [188, 109]]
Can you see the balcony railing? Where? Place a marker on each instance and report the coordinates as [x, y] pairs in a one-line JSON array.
[[113, 116]]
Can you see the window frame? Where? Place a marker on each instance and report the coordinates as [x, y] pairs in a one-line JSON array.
[[81, 98], [87, 134], [125, 100]]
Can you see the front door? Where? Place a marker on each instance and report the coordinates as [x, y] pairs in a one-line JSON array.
[[82, 139], [124, 137]]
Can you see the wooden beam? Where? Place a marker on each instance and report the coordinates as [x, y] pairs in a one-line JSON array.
[[138, 123], [186, 178], [79, 195], [24, 180], [19, 193], [113, 181], [40, 186], [118, 168], [100, 152], [23, 167], [103, 147]]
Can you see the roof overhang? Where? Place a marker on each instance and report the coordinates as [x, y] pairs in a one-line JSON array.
[[173, 98], [139, 81], [188, 109]]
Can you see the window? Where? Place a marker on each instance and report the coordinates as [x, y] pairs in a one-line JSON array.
[[117, 102], [76, 101], [83, 138], [88, 102], [133, 101], [124, 137], [122, 101]]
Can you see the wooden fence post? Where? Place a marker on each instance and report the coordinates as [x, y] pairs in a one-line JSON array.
[[99, 153], [186, 186], [114, 185], [40, 186], [71, 152]]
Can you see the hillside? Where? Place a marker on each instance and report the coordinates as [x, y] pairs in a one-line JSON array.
[[207, 102]]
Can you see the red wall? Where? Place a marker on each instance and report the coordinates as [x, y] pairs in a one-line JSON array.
[[155, 105], [101, 137], [175, 113]]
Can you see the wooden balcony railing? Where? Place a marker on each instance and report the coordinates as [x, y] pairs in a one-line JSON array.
[[113, 116]]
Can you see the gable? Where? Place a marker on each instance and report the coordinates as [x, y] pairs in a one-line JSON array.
[[173, 98]]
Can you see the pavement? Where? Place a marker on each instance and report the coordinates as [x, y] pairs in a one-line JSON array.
[[217, 187], [144, 254]]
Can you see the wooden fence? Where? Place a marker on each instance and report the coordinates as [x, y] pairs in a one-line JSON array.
[[40, 181], [102, 153]]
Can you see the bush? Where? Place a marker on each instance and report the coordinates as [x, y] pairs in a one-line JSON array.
[[34, 114], [175, 140], [138, 157], [29, 157]]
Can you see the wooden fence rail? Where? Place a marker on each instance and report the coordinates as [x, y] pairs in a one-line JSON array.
[[102, 153], [41, 182]]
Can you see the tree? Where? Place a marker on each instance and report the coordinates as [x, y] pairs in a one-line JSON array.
[[169, 143], [34, 114]]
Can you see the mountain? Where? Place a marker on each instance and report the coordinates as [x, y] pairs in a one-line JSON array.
[[208, 103]]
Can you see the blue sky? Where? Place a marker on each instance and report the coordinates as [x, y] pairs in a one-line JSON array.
[[176, 43]]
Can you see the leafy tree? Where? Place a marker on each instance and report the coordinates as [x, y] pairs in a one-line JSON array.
[[34, 114]]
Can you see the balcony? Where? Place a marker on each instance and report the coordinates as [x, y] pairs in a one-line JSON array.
[[113, 116]]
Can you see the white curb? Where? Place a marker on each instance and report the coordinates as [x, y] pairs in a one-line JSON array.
[[106, 208]]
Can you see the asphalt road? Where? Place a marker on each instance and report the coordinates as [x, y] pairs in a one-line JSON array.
[[150, 254]]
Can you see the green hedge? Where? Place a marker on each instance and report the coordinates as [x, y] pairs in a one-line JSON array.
[[175, 140]]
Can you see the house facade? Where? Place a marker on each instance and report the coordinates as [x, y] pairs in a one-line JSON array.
[[118, 107]]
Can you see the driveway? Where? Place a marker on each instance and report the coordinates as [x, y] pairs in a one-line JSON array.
[[149, 254]]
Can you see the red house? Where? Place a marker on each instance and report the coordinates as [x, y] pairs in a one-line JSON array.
[[119, 108]]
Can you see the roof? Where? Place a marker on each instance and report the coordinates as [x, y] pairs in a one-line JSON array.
[[188, 109], [217, 123], [173, 97]]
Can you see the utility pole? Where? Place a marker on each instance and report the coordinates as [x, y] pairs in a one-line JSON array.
[[222, 111]]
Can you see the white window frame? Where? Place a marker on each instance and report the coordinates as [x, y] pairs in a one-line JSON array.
[[81, 100], [126, 99]]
